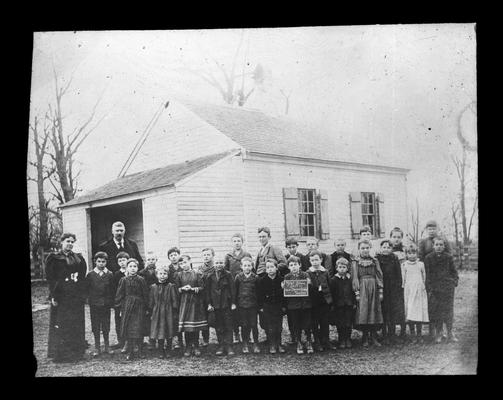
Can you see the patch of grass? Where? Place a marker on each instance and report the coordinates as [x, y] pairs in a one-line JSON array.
[[454, 358]]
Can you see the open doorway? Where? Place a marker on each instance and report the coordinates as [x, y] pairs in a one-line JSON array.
[[102, 218]]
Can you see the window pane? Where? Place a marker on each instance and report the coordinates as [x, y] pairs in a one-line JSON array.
[[310, 219], [311, 207], [310, 195], [311, 231], [371, 209]]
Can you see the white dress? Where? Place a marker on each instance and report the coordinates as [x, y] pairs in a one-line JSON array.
[[416, 300]]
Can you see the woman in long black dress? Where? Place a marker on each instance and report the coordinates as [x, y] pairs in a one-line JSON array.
[[66, 272]]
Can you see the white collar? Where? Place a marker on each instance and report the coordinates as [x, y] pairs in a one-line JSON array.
[[105, 270], [322, 268], [121, 243]]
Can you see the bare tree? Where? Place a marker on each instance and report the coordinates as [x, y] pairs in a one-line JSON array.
[[40, 215], [227, 84], [65, 145], [287, 99], [414, 236]]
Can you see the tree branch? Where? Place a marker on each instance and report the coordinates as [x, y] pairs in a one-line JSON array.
[[473, 213]]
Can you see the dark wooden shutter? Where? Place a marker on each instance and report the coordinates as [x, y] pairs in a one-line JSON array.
[[380, 214], [355, 201], [291, 208], [324, 222]]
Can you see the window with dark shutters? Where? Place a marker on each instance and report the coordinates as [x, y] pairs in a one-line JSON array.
[[306, 213], [367, 208]]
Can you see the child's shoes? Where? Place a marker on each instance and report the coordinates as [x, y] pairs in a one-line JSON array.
[[452, 339], [300, 349], [342, 344], [309, 347], [256, 349], [196, 351], [348, 343], [281, 349], [272, 350], [220, 351], [246, 350], [230, 351]]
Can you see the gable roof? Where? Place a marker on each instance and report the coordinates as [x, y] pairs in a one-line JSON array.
[[148, 180], [261, 133]]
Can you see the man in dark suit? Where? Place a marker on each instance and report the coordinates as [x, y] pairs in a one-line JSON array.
[[117, 244]]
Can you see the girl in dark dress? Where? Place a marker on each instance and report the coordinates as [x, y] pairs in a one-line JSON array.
[[393, 309], [132, 297], [66, 272]]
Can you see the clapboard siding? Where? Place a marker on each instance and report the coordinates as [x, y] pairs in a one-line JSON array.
[[75, 221], [177, 136], [160, 224], [210, 208], [264, 181]]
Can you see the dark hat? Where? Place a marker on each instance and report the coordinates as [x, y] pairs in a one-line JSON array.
[[432, 223]]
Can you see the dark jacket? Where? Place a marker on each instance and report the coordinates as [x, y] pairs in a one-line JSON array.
[[220, 293], [319, 279], [342, 291], [149, 275], [441, 274], [59, 271], [232, 262], [304, 260], [425, 247], [332, 259], [271, 252], [111, 249], [100, 289], [296, 303], [269, 291], [246, 290], [116, 277], [172, 271]]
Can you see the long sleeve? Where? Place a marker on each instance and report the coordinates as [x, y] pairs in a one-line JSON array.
[[421, 249], [174, 297], [200, 282], [398, 272], [208, 285], [237, 283], [427, 270], [379, 276], [453, 271], [354, 275], [151, 298], [233, 288], [328, 265], [282, 265], [404, 274], [50, 273], [145, 292], [227, 263], [121, 293], [423, 272], [260, 294]]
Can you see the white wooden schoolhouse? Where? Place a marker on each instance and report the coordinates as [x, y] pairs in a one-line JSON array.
[[206, 172]]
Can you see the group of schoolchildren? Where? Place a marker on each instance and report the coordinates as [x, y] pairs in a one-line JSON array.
[[372, 290]]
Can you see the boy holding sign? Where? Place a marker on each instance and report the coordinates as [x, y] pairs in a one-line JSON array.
[[295, 289]]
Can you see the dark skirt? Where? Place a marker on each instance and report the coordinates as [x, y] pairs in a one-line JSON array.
[[133, 318], [67, 330], [393, 305], [192, 316], [441, 306]]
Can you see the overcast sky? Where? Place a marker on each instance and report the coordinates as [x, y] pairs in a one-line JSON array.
[[391, 93]]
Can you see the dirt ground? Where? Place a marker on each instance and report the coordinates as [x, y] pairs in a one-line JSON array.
[[442, 359]]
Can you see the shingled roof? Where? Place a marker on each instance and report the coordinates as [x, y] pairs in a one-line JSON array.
[[261, 133], [147, 180]]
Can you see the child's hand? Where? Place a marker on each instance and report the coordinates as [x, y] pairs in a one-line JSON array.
[[261, 310], [210, 307], [283, 309], [196, 289], [282, 284], [381, 296], [54, 302], [233, 306]]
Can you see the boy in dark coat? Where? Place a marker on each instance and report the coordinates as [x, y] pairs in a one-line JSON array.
[[441, 281], [101, 299], [208, 254], [232, 263], [148, 273], [122, 258], [291, 244], [272, 303], [426, 244], [344, 302], [321, 300], [246, 300], [220, 295], [340, 251], [174, 268], [299, 308]]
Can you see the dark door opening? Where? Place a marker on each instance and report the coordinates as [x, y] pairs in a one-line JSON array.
[[130, 213]]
